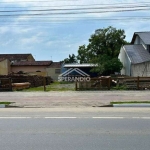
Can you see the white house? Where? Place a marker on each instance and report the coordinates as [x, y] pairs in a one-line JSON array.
[[136, 57]]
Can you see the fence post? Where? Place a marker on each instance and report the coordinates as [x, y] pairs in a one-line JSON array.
[[10, 84], [44, 83], [76, 85], [109, 83], [138, 82]]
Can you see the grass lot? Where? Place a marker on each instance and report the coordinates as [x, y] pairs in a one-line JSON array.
[[56, 86]]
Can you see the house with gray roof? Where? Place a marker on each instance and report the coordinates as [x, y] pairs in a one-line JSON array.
[[136, 56]]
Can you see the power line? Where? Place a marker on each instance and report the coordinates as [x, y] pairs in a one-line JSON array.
[[71, 13], [37, 1], [139, 3], [47, 1], [68, 9]]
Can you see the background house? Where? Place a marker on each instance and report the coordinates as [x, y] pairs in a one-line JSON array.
[[136, 56], [54, 70], [31, 67], [17, 57], [4, 66], [25, 63], [86, 67]]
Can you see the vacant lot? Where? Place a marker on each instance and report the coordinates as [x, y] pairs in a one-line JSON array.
[[56, 86]]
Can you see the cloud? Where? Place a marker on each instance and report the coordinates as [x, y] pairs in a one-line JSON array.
[[36, 39], [61, 34], [4, 30]]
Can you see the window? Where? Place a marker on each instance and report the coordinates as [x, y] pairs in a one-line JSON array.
[[57, 71]]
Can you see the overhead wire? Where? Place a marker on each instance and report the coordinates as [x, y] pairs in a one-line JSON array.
[[66, 12], [75, 5], [71, 13], [49, 1], [71, 9]]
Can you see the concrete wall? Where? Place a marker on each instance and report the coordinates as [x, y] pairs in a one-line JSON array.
[[142, 69], [52, 72], [16, 69], [34, 70], [30, 58], [125, 61], [138, 40], [44, 74], [5, 67]]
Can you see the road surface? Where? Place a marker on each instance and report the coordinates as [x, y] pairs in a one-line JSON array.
[[75, 129]]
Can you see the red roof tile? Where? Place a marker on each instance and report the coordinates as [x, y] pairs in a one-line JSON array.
[[32, 63], [1, 59], [55, 65], [12, 57]]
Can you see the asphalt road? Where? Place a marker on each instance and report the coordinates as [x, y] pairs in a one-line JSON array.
[[75, 129]]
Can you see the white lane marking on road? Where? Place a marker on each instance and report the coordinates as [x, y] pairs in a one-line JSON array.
[[145, 117], [136, 118], [15, 117], [60, 117], [108, 117], [141, 117]]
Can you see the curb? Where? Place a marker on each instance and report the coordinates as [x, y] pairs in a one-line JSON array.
[[132, 105], [2, 105]]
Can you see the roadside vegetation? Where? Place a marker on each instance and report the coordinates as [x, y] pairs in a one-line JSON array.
[[6, 103], [55, 86], [119, 87]]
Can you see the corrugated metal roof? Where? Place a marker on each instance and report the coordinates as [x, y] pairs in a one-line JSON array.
[[78, 65], [145, 36], [137, 53]]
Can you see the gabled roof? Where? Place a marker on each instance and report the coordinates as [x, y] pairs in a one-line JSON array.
[[55, 65], [12, 57], [32, 63], [137, 53], [1, 59], [145, 36]]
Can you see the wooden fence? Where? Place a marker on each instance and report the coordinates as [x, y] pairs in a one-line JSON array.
[[101, 83], [105, 83], [5, 84], [135, 83]]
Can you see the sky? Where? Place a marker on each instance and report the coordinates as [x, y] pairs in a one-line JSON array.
[[53, 29]]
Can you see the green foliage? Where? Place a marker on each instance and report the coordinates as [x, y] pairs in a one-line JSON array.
[[103, 50], [106, 64], [83, 55], [72, 59], [120, 87], [6, 103]]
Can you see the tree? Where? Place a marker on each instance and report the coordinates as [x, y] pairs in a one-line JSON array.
[[103, 50], [82, 54], [72, 59]]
